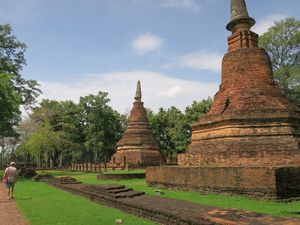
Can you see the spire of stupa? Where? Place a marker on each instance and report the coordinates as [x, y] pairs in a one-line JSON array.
[[240, 18], [138, 93]]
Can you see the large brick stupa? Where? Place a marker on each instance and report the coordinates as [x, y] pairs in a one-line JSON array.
[[137, 147], [251, 122], [249, 142]]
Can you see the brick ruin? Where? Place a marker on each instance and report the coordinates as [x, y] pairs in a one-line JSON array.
[[137, 147], [251, 131]]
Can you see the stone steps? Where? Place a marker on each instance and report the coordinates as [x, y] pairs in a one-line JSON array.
[[107, 187], [117, 191], [128, 194], [114, 191]]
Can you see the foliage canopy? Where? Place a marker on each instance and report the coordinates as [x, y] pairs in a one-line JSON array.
[[282, 42]]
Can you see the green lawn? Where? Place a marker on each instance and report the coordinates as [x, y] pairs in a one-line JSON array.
[[225, 201], [45, 205]]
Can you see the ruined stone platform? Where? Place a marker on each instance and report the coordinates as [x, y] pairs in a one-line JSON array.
[[274, 183], [167, 211], [66, 180]]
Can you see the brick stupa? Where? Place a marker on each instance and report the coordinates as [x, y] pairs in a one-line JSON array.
[[137, 147], [249, 140]]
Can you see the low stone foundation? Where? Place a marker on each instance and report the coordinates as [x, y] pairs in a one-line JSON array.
[[263, 182], [124, 176], [136, 158]]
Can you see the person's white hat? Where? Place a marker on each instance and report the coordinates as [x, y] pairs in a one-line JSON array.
[[12, 163]]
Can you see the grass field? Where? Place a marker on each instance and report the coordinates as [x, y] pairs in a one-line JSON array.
[[273, 208], [45, 205]]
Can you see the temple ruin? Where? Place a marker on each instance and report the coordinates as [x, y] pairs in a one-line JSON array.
[[137, 147], [248, 143]]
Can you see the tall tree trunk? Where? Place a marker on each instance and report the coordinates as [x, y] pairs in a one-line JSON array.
[[39, 160], [46, 159], [67, 158], [61, 159], [1, 153], [51, 161]]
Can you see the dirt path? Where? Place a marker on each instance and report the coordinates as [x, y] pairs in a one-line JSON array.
[[9, 213]]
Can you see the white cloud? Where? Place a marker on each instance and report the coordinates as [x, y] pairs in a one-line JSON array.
[[158, 90], [199, 60], [172, 92], [267, 22], [146, 43]]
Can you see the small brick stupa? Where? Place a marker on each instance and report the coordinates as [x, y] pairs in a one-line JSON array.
[[249, 140], [137, 147]]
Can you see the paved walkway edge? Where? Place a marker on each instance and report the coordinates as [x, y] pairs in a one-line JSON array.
[[9, 213]]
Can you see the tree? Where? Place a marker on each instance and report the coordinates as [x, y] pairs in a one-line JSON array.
[[64, 118], [25, 129], [43, 142], [102, 127], [197, 110], [7, 146], [170, 130], [171, 127], [12, 61], [10, 102], [282, 42]]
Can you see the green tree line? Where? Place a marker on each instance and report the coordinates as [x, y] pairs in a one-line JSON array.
[[60, 132]]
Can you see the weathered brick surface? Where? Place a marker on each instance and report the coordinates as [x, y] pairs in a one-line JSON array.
[[242, 39], [268, 182], [137, 146], [137, 157], [248, 84]]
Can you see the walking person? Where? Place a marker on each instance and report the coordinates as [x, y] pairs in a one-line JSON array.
[[9, 178]]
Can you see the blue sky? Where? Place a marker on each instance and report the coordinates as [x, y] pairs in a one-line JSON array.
[[175, 47]]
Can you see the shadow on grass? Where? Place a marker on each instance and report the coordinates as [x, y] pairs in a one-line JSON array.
[[23, 199]]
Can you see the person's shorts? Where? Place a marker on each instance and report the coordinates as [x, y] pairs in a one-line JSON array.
[[10, 184]]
